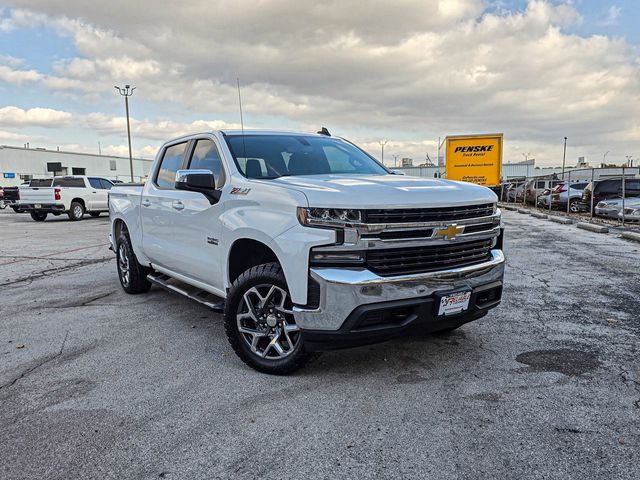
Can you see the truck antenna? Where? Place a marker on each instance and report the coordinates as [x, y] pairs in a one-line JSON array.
[[244, 146]]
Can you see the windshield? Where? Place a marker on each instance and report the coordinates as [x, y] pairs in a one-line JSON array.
[[273, 156]]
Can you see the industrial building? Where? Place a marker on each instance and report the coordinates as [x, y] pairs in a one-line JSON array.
[[19, 164]]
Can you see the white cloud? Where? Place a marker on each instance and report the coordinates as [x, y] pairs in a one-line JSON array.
[[159, 130], [613, 14], [18, 77], [33, 117], [412, 69]]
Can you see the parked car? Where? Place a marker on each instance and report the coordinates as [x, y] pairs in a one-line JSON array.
[[535, 187], [73, 195], [311, 242], [631, 213], [544, 198], [573, 194], [611, 208], [609, 189], [514, 192]]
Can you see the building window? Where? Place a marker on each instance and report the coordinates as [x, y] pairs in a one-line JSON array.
[[112, 165], [78, 171]]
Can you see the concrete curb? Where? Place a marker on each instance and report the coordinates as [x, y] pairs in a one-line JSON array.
[[523, 211], [562, 220], [539, 215], [507, 207], [631, 236], [592, 227]]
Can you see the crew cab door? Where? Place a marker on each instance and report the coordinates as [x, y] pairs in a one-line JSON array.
[[181, 229], [98, 194]]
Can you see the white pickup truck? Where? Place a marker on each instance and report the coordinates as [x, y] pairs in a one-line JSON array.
[[307, 242], [74, 195]]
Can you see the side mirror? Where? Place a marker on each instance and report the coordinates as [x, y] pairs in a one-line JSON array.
[[397, 172], [201, 181]]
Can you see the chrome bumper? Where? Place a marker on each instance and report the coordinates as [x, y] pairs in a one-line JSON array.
[[342, 289]]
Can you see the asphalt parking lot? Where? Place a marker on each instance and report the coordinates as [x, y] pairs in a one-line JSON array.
[[98, 384]]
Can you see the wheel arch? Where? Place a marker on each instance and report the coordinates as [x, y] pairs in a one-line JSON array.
[[245, 253], [79, 200]]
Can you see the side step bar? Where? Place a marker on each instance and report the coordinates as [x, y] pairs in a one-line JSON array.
[[207, 299]]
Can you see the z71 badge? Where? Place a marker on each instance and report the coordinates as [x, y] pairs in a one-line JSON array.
[[239, 191]]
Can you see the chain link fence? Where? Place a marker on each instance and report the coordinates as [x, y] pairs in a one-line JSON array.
[[610, 195]]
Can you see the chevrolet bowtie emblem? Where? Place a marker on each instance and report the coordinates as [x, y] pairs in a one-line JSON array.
[[450, 232]]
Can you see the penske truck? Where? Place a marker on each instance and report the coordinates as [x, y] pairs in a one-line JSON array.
[[475, 158]]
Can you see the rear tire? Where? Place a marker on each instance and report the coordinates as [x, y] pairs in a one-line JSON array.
[[39, 216], [76, 212], [259, 323], [94, 214], [132, 275], [15, 209]]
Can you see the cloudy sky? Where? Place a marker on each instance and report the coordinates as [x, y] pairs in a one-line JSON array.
[[405, 70]]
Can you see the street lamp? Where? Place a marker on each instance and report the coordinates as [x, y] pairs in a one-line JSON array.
[[395, 160], [564, 156], [126, 92], [382, 144]]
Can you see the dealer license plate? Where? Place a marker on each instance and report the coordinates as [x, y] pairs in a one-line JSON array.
[[454, 303], [37, 205]]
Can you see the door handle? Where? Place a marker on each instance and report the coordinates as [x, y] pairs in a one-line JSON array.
[[146, 203], [178, 205]]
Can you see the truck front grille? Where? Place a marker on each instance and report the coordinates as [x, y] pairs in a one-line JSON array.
[[403, 261], [445, 214]]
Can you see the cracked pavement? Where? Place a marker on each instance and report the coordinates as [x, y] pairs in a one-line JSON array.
[[95, 383]]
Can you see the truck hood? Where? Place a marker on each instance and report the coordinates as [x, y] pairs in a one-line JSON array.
[[385, 191]]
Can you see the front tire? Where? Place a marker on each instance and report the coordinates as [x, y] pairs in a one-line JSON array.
[[574, 206], [259, 322], [76, 212], [132, 275], [39, 216]]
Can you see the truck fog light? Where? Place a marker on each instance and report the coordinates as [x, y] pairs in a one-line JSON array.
[[337, 258]]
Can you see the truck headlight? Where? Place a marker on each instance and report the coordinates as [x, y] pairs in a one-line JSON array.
[[329, 217]]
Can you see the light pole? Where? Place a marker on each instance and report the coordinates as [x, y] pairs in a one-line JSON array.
[[604, 157], [382, 144], [126, 92], [564, 156], [395, 160]]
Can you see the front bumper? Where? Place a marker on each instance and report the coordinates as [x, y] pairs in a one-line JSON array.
[[607, 212], [348, 295]]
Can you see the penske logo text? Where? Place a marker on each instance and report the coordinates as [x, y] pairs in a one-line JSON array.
[[474, 148]]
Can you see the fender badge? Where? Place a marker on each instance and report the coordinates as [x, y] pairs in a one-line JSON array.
[[239, 191]]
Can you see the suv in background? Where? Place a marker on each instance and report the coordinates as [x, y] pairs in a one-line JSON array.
[[572, 194], [608, 189]]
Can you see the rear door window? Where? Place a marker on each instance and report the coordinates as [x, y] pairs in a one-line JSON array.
[[69, 182], [171, 162]]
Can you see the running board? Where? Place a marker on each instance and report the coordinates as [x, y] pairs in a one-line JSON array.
[[207, 299]]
